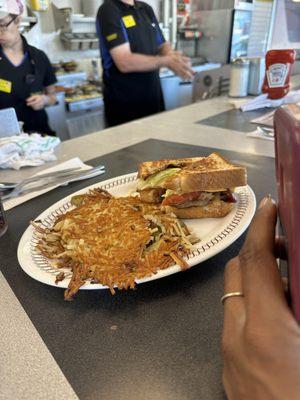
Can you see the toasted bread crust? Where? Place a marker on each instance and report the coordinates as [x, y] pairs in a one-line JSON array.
[[198, 174], [216, 209], [189, 181], [148, 168]]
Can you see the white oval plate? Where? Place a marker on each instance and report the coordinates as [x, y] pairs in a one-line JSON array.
[[216, 234]]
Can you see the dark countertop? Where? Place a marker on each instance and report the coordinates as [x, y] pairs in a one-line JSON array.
[[160, 341]]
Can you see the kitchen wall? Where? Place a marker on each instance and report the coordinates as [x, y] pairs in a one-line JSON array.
[[280, 34], [44, 36]]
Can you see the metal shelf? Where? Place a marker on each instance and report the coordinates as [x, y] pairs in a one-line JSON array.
[[68, 22], [27, 22], [83, 20]]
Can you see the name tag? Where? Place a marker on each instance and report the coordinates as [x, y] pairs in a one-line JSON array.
[[5, 86], [129, 21]]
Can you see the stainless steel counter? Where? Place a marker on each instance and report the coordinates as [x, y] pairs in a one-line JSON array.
[[180, 125]]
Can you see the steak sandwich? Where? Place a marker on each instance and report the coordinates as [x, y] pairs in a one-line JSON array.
[[197, 187]]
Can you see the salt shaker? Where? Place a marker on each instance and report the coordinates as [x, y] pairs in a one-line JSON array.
[[239, 77]]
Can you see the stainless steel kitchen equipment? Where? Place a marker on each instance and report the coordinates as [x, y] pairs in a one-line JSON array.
[[239, 77], [223, 29], [73, 117], [211, 83], [256, 75], [169, 20], [177, 92], [90, 7], [79, 41], [77, 32]]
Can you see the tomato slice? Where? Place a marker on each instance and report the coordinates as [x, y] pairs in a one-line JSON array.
[[176, 199]]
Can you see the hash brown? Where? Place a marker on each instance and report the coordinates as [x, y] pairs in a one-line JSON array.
[[113, 241]]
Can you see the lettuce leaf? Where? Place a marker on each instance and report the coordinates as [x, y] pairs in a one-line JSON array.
[[157, 179]]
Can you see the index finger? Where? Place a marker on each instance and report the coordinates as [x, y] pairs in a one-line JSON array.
[[31, 98], [260, 275]]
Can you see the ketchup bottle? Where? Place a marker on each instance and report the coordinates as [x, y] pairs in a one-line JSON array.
[[278, 72]]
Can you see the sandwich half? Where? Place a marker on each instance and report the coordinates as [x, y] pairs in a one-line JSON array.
[[198, 187]]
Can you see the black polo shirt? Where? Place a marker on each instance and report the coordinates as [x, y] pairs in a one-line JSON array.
[[17, 83], [133, 95]]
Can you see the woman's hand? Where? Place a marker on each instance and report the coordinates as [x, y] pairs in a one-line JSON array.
[[261, 338], [37, 101]]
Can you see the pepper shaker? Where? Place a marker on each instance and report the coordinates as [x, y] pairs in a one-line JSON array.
[[256, 75]]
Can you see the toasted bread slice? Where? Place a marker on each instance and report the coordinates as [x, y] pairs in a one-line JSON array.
[[149, 168], [213, 173], [215, 209]]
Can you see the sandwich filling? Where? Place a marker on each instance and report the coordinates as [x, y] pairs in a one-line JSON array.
[[151, 192], [157, 179], [196, 199]]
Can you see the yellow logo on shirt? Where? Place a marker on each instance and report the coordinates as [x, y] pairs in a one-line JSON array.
[[129, 21], [111, 37], [5, 86]]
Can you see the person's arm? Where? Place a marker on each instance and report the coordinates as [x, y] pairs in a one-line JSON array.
[[261, 338], [165, 49], [51, 95], [40, 101], [113, 37], [48, 98], [126, 62]]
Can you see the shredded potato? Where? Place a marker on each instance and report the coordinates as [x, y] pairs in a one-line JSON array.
[[113, 241]]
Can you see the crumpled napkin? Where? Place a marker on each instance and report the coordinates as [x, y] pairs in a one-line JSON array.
[[262, 101], [27, 150]]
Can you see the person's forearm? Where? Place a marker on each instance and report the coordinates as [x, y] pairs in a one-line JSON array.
[[136, 62], [50, 99], [165, 49]]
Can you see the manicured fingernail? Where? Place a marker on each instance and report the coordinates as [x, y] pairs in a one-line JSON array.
[[266, 200]]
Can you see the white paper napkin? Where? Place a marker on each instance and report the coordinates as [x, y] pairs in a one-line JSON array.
[[259, 135], [262, 101], [73, 163]]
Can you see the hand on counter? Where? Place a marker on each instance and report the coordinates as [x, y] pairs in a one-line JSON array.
[[180, 65], [261, 338]]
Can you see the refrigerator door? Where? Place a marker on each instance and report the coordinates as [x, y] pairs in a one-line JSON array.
[[240, 33]]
